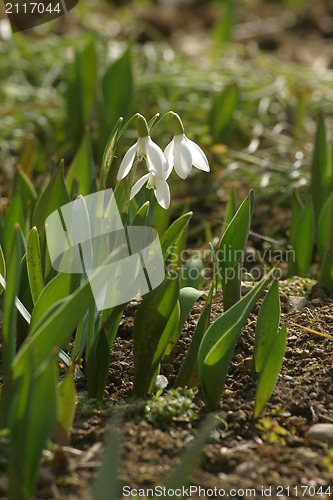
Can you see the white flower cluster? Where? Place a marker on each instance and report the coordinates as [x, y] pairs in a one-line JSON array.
[[181, 153]]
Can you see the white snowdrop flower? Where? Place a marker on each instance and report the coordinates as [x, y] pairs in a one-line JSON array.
[[181, 153]]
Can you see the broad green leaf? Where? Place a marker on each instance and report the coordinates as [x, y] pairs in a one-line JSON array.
[[267, 325], [270, 371], [32, 424], [222, 112], [8, 347], [52, 198], [173, 233], [304, 240], [140, 218], [231, 251], [187, 298], [180, 475], [150, 322], [81, 89], [324, 227], [191, 273], [117, 87], [325, 243], [58, 288], [66, 399], [163, 343], [98, 366], [82, 169], [34, 265], [219, 342], [223, 29], [321, 169], [188, 373], [109, 155]]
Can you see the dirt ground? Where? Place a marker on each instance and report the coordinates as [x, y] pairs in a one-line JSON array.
[[239, 455]]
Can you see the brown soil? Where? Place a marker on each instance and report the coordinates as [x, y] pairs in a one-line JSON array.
[[238, 455]]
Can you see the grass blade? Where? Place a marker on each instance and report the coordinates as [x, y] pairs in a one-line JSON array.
[[270, 371], [267, 325]]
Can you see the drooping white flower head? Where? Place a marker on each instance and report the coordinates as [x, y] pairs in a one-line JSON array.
[[158, 184], [181, 153], [146, 147]]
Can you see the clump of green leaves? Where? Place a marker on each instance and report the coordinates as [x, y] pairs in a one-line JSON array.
[[176, 405], [271, 431]]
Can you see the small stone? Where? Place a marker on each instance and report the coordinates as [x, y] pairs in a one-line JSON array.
[[317, 302], [297, 303], [321, 432]]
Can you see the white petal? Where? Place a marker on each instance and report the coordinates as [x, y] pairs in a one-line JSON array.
[[168, 153], [127, 162], [138, 185], [182, 156], [155, 158], [199, 158], [162, 193]]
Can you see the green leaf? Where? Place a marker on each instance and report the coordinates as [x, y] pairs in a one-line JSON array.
[[231, 251], [58, 288], [52, 198], [267, 325], [81, 88], [321, 169], [150, 322], [34, 265], [188, 373], [173, 233], [325, 244], [98, 366], [109, 155], [33, 421], [8, 348], [191, 272], [223, 29], [140, 218], [219, 342], [303, 240], [222, 112], [117, 87], [66, 399], [187, 298], [270, 371], [82, 169]]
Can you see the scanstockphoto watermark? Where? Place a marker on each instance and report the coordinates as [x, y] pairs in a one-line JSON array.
[[227, 263], [188, 492], [27, 14]]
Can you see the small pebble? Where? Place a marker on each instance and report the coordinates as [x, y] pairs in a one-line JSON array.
[[321, 432]]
